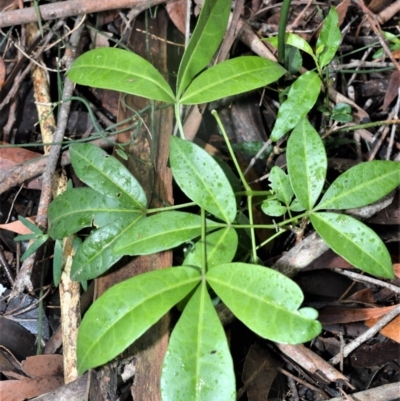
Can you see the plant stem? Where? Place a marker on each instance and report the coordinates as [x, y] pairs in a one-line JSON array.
[[178, 120], [282, 31], [231, 152], [203, 243]]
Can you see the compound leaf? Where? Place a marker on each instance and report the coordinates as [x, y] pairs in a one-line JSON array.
[[198, 365], [202, 179], [264, 300], [355, 242], [106, 175], [120, 70], [124, 312]]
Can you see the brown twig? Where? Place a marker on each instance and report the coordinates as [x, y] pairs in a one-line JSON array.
[[23, 279], [65, 9], [372, 19], [349, 348]]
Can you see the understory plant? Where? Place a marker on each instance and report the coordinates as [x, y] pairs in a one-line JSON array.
[[198, 364]]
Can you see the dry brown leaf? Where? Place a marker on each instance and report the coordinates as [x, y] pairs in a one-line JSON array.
[[391, 330], [392, 89], [331, 315], [177, 12], [43, 365], [2, 72], [19, 390], [17, 227]]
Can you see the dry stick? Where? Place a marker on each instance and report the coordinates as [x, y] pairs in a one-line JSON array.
[[23, 279], [366, 335], [366, 279], [388, 12], [372, 19], [65, 9]]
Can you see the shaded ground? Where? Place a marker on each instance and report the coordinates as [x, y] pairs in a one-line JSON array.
[[364, 75]]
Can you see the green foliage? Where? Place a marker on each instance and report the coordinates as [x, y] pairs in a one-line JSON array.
[[208, 187], [198, 364], [37, 237], [301, 98]]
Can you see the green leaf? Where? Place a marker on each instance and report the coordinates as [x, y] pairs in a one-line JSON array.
[[57, 262], [202, 179], [106, 175], [329, 38], [35, 230], [77, 208], [96, 254], [221, 246], [120, 70], [198, 365], [280, 184], [361, 185], [264, 300], [206, 37], [231, 77], [307, 163], [34, 246], [293, 40], [301, 98], [355, 242], [273, 207], [342, 113], [159, 232], [124, 312]]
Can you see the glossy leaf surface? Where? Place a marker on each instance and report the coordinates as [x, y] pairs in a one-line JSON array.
[[293, 40], [231, 77], [106, 175], [124, 312], [355, 242], [77, 208], [221, 246], [307, 163], [202, 180], [159, 232], [120, 70], [206, 38], [301, 98], [361, 185], [198, 365], [264, 300], [96, 255], [329, 38]]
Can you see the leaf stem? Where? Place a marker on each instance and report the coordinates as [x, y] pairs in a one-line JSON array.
[[178, 120], [203, 243], [231, 152]]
